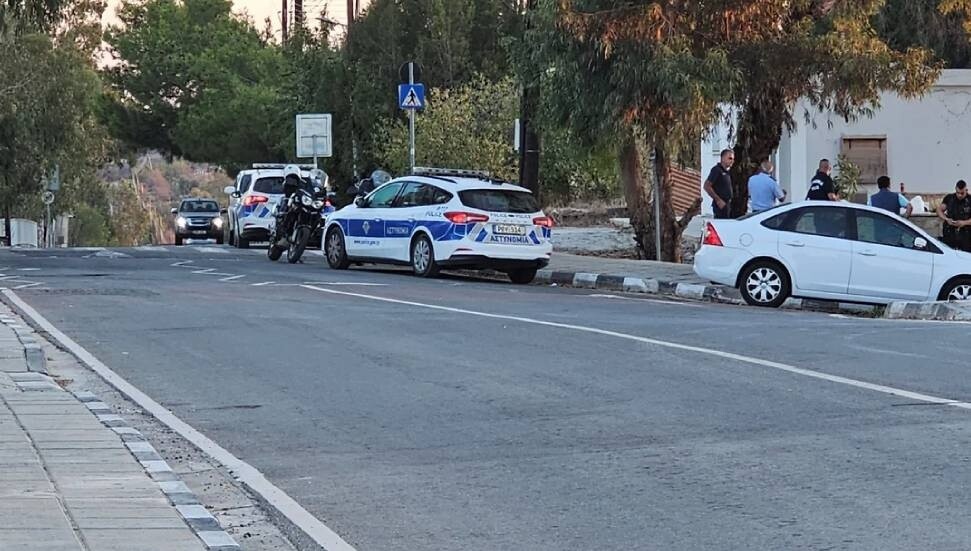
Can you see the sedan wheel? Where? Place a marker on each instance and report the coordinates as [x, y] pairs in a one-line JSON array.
[[958, 290], [765, 284]]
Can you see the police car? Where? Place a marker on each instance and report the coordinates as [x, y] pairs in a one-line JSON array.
[[442, 218], [253, 198]]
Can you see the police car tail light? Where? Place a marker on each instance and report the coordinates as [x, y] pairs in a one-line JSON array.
[[711, 236], [254, 199], [465, 217], [544, 221]]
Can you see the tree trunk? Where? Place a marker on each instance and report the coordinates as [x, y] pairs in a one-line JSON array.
[[7, 225], [760, 127], [640, 203]]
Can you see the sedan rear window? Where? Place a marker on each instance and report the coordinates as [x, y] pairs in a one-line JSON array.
[[270, 186], [500, 200]]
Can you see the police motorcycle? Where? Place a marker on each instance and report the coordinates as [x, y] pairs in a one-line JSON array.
[[300, 215]]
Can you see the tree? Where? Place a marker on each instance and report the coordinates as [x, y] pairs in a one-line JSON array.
[[634, 77], [825, 53], [940, 26]]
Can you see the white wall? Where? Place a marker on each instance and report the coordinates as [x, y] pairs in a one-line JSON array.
[[928, 140]]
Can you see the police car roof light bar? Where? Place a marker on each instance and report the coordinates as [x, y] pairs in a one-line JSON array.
[[427, 171], [281, 166]]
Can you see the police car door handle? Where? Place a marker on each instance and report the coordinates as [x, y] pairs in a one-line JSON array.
[[377, 220], [796, 244], [867, 252], [411, 220]]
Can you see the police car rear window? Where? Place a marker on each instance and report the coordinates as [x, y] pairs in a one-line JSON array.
[[270, 186], [499, 200]]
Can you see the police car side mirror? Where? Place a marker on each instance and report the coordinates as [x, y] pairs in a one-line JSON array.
[[360, 201], [920, 243], [229, 190]]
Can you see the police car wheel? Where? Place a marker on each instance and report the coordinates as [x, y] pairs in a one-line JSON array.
[[959, 289], [423, 257], [765, 283], [522, 277], [335, 251]]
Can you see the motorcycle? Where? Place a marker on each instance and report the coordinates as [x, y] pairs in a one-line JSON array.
[[297, 219]]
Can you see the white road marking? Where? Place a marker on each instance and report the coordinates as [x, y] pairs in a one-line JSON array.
[[204, 270], [654, 300], [4, 278], [183, 264], [28, 285], [667, 344], [29, 269], [211, 250], [347, 283], [243, 471], [263, 284], [232, 278]]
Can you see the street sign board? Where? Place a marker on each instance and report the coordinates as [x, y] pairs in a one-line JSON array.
[[411, 96], [314, 135]]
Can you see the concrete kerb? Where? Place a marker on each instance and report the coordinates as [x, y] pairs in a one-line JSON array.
[[933, 311], [204, 525], [33, 352], [688, 291]]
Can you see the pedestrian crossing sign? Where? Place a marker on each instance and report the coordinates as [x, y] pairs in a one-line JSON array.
[[411, 96]]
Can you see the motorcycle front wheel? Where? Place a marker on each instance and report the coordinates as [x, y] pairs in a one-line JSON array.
[[273, 252], [298, 244]]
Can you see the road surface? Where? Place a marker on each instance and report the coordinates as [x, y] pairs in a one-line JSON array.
[[459, 413]]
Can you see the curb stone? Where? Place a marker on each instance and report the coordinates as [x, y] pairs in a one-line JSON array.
[[203, 524], [33, 352], [935, 311], [691, 291]]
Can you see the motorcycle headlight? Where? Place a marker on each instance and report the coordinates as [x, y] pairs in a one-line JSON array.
[[180, 222], [318, 205], [307, 201], [218, 222]]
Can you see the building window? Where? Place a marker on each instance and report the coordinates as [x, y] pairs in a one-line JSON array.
[[869, 153]]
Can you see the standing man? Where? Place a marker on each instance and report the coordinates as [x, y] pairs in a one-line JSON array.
[[889, 200], [955, 211], [821, 188], [718, 185], [763, 190]]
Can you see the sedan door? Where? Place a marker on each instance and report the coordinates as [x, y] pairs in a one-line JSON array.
[[815, 244], [887, 262], [365, 224]]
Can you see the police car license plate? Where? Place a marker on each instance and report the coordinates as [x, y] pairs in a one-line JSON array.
[[508, 229]]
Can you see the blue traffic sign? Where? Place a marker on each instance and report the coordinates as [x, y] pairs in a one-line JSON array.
[[411, 96]]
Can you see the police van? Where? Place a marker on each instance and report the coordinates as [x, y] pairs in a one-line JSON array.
[[443, 218], [253, 197]]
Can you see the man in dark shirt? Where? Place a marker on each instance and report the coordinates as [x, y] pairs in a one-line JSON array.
[[821, 188], [955, 211], [718, 185]]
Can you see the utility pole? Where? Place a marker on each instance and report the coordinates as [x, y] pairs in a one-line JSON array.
[[351, 11], [285, 22], [529, 143]]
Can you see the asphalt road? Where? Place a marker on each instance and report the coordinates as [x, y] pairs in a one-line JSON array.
[[464, 414]]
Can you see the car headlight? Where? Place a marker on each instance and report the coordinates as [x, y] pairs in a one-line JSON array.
[[307, 201], [180, 222], [318, 205], [218, 222]]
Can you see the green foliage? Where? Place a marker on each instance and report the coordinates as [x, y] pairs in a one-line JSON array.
[[128, 222], [469, 126], [88, 228], [847, 179], [937, 25]]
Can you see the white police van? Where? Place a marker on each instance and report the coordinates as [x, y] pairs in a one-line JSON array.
[[443, 218], [252, 200]]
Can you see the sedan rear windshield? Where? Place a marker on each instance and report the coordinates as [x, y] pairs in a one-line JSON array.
[[199, 206], [269, 186], [500, 200]]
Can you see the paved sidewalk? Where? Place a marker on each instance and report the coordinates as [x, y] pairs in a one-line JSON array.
[[67, 481]]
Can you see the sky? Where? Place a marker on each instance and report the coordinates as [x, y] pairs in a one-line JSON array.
[[259, 10]]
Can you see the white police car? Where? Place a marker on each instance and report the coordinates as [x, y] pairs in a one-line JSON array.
[[441, 218], [252, 200]]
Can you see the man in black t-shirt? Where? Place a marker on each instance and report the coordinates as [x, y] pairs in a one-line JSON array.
[[821, 188], [955, 211], [718, 185]]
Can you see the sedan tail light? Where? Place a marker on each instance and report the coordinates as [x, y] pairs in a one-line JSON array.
[[711, 236], [251, 200], [465, 217]]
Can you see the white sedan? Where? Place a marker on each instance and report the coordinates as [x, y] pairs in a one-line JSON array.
[[440, 218], [831, 251]]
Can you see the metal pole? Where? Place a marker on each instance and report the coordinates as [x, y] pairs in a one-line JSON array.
[[411, 124], [657, 205], [315, 151], [47, 228]]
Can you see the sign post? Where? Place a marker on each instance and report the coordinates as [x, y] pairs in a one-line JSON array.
[[411, 97], [314, 136], [48, 198]]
